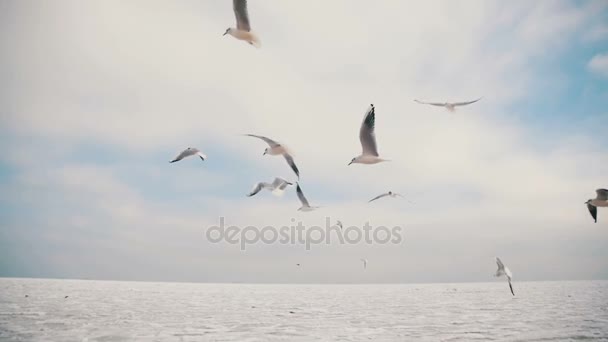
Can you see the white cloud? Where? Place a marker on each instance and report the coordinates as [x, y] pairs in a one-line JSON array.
[[599, 64]]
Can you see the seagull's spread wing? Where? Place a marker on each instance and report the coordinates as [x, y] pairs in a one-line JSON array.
[[280, 183], [501, 266], [377, 197], [256, 188], [367, 135], [201, 155], [301, 197], [292, 164], [185, 153], [465, 103], [592, 211], [602, 194], [269, 141], [440, 104], [511, 287], [242, 17]]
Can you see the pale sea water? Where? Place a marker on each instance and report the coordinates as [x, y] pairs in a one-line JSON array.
[[127, 311]]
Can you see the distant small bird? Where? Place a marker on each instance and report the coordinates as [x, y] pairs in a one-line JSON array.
[[601, 200], [276, 149], [277, 187], [297, 264], [367, 137], [504, 271], [305, 206], [451, 106], [26, 296], [190, 151], [364, 263], [243, 29], [65, 297], [390, 193]]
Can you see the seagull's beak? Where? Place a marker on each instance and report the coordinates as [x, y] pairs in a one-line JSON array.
[[350, 162], [225, 33]]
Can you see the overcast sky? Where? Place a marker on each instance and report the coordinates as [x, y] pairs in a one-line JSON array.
[[97, 96]]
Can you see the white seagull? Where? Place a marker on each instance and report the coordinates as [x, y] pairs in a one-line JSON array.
[[451, 106], [243, 29], [277, 187], [276, 149], [190, 151], [503, 270], [305, 206], [369, 154], [601, 200], [364, 263], [390, 193]]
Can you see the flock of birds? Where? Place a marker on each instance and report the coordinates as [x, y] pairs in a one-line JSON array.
[[369, 149]]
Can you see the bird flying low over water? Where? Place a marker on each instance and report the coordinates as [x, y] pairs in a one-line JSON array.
[[277, 187], [600, 200], [276, 149], [367, 136], [451, 106], [243, 28], [504, 271], [390, 193], [305, 205], [190, 151]]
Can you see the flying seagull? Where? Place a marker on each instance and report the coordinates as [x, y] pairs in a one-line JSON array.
[[503, 270], [243, 29], [601, 200], [369, 154], [277, 187], [305, 206], [190, 151], [276, 149], [390, 193], [451, 106], [364, 263]]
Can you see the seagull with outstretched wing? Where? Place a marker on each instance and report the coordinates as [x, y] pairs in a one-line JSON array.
[[190, 151], [600, 200], [504, 271], [276, 149], [367, 137], [243, 28], [451, 106]]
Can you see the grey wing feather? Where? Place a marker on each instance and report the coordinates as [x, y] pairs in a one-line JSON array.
[[592, 211], [465, 103], [241, 14], [377, 197], [292, 164], [256, 189], [367, 134], [182, 155], [432, 103], [500, 264], [602, 194], [269, 141], [301, 196]]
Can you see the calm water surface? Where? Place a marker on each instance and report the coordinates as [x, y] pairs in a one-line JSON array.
[[127, 311]]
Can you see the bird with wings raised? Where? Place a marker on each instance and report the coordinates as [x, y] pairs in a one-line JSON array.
[[242, 31]]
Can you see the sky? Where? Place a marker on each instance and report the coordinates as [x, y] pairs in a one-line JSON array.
[[97, 96]]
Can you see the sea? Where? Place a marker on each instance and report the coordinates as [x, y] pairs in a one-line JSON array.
[[88, 310]]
